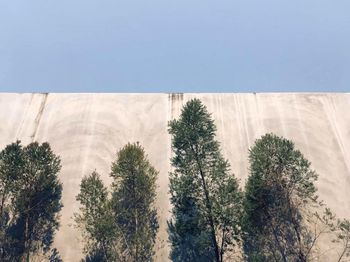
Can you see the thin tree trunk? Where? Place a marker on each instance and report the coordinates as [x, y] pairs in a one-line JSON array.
[[344, 250], [3, 197], [136, 248], [222, 245], [296, 226], [209, 207], [25, 256], [135, 216], [301, 255]]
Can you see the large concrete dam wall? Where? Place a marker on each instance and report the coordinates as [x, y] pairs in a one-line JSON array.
[[86, 130]]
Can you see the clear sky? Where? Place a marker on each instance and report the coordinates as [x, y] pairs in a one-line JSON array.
[[174, 45]]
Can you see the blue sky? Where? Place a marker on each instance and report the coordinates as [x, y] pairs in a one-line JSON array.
[[174, 45]]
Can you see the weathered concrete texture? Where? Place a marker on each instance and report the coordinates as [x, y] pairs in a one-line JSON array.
[[86, 130]]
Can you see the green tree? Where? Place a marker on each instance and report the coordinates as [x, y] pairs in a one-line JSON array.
[[279, 193], [134, 192], [96, 220], [31, 199], [343, 237], [205, 196], [11, 164]]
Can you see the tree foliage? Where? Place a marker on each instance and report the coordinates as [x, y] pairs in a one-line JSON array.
[[343, 237], [55, 256], [134, 192], [279, 192], [205, 196], [96, 219], [122, 227], [11, 164], [30, 200]]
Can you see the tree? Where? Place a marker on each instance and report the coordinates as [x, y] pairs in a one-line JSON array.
[[279, 194], [342, 232], [11, 164], [134, 192], [123, 227], [31, 199], [205, 196], [96, 220]]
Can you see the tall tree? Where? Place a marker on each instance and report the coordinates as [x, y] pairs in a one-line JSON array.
[[35, 199], [206, 197], [279, 192], [96, 220], [11, 164], [134, 192]]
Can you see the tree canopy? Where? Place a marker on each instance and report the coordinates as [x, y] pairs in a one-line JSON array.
[[134, 192], [96, 219], [205, 195], [280, 188], [122, 227], [30, 200]]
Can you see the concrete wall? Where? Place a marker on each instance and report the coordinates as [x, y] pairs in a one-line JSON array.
[[86, 130]]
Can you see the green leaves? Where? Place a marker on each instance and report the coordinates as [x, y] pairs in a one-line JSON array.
[[134, 191], [96, 218], [31, 199], [123, 227], [279, 188], [206, 198]]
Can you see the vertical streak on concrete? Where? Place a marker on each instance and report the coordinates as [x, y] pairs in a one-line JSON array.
[[90, 128], [245, 122], [340, 136], [238, 120], [38, 116], [174, 106], [279, 108], [25, 114], [259, 113], [242, 121], [222, 122], [301, 127], [170, 107], [176, 102], [329, 109]]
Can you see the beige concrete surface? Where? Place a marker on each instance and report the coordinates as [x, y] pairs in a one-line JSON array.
[[86, 130]]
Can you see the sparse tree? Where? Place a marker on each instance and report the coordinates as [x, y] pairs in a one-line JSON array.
[[342, 231], [96, 220], [279, 198], [123, 227], [134, 192], [11, 165], [31, 200], [205, 195]]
